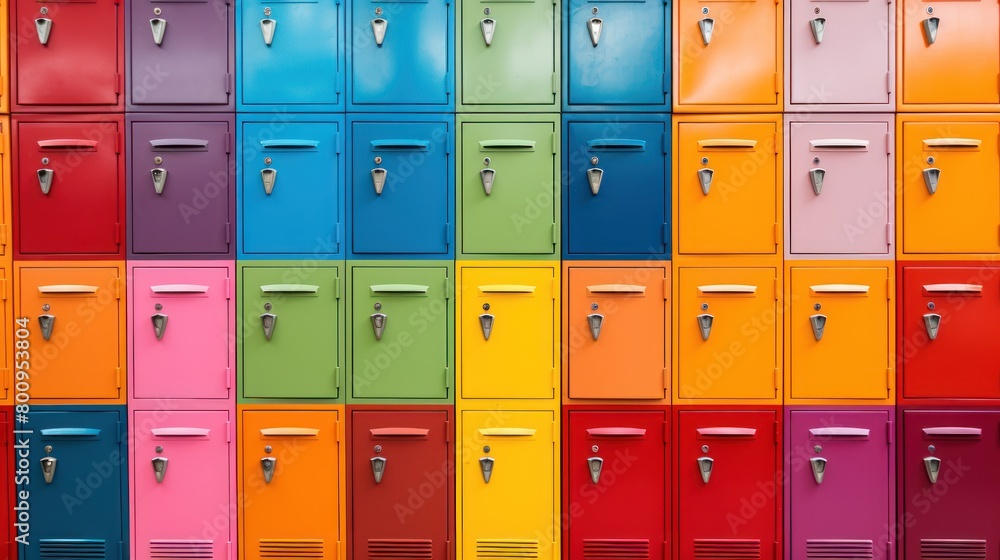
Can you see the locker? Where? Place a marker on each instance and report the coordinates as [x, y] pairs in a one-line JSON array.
[[290, 56], [12, 356], [8, 493], [617, 469], [947, 471], [728, 53], [292, 324], [80, 46], [728, 336], [727, 484], [509, 464], [508, 198], [839, 187], [402, 187], [508, 56], [69, 176], [839, 333], [402, 484], [613, 162], [726, 181], [402, 56], [931, 36], [76, 483], [6, 244], [182, 330], [839, 56], [945, 201], [616, 55], [181, 191], [841, 475], [402, 327], [5, 74], [76, 321], [291, 461], [946, 349], [180, 55], [291, 198], [509, 332], [191, 482], [617, 320]]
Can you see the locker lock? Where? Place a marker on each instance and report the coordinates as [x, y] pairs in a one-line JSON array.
[[267, 11], [594, 306], [704, 449], [704, 161], [46, 307], [377, 306], [487, 11], [594, 160], [44, 10], [818, 449], [267, 306], [930, 159], [816, 10], [704, 307], [268, 449], [594, 449], [48, 448], [930, 305], [158, 307], [267, 161], [705, 10], [486, 449], [45, 160], [486, 307], [378, 449], [378, 11], [931, 449], [378, 160], [159, 449], [595, 11], [157, 11], [158, 160], [930, 10], [817, 307], [815, 161]]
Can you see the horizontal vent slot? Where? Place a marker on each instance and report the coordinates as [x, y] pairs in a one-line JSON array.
[[71, 549], [507, 548], [615, 548], [839, 549], [300, 548], [952, 549], [170, 549], [399, 548], [739, 549]]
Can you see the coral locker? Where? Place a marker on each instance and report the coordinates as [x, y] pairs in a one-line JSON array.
[[727, 334], [402, 484], [290, 56], [401, 330], [948, 471], [292, 475], [292, 321], [76, 483], [402, 56], [180, 55], [509, 480], [402, 187], [839, 184], [946, 348], [181, 330], [291, 187], [182, 476], [181, 192], [617, 192], [945, 204], [508, 194], [616, 476], [726, 173], [66, 55], [841, 474], [77, 330], [508, 329], [727, 463], [616, 319], [839, 56], [616, 55], [69, 176]]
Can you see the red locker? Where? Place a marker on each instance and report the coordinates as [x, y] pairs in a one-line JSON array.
[[13, 521]]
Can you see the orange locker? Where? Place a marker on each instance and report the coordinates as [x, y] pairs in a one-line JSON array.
[[6, 181], [15, 349]]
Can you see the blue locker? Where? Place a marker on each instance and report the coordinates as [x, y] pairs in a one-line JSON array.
[[401, 56], [290, 56], [617, 187], [402, 187], [76, 482], [290, 198], [616, 55]]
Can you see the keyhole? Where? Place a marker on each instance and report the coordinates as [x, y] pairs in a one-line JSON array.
[[816, 10], [378, 11], [930, 305], [159, 449], [594, 161], [815, 161], [594, 11], [45, 161], [486, 449], [267, 11], [268, 449], [704, 449], [267, 161], [158, 307], [594, 306], [48, 449], [704, 10], [267, 306], [817, 307], [157, 11], [594, 449], [930, 159], [486, 307], [704, 307], [378, 160], [930, 10], [377, 306], [46, 307], [486, 161], [378, 449], [44, 10], [487, 11], [158, 160], [818, 449], [931, 449], [704, 161]]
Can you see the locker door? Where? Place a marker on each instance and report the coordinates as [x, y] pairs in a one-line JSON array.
[[618, 320], [840, 484], [291, 462], [948, 465], [181, 192], [398, 455], [189, 483], [78, 503], [618, 471], [727, 184], [8, 493], [839, 333], [727, 341], [516, 475], [509, 339], [182, 333], [726, 459]]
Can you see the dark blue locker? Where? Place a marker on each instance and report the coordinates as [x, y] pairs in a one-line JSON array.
[[617, 186], [402, 187], [290, 201]]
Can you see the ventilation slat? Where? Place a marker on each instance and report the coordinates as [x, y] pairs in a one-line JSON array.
[[165, 549], [72, 549], [416, 549], [615, 548], [300, 548], [952, 549], [727, 549], [839, 549], [507, 548]]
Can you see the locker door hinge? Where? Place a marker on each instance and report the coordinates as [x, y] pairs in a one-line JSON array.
[[554, 143], [228, 234], [666, 290], [888, 143], [447, 431], [555, 378], [4, 234], [774, 142], [555, 233], [336, 287], [229, 288], [777, 432], [227, 77], [229, 431], [447, 547], [666, 380], [776, 234], [777, 372], [888, 379], [774, 289], [338, 84], [555, 287], [666, 431], [118, 233], [119, 288], [336, 378], [665, 142], [118, 142], [888, 82], [3, 141], [666, 81], [555, 432], [888, 431], [340, 234], [777, 86], [5, 372], [229, 549], [338, 142], [337, 435], [888, 289], [447, 288], [229, 378], [555, 77], [118, 429], [888, 233], [447, 79], [447, 234], [229, 142], [118, 378], [447, 377], [3, 283], [118, 80], [665, 233]]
